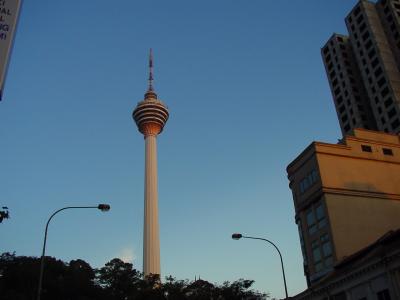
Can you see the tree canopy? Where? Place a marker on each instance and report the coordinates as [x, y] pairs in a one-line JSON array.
[[116, 280]]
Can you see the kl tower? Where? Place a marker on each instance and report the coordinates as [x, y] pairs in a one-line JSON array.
[[150, 116]]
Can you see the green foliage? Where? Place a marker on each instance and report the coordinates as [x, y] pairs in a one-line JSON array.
[[117, 280], [4, 214]]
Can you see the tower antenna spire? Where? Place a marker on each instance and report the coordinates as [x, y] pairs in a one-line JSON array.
[[151, 78], [150, 94]]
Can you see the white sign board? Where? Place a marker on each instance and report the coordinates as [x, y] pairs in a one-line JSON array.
[[9, 10]]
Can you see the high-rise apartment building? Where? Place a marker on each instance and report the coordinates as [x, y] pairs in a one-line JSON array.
[[347, 195], [363, 68]]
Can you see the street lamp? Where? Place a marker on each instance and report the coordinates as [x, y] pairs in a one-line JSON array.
[[102, 207], [237, 236]]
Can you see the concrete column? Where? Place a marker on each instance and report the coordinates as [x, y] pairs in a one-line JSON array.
[[151, 239]]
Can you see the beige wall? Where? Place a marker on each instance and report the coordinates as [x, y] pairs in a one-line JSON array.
[[362, 175], [356, 222]]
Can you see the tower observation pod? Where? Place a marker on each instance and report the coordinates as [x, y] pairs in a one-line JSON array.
[[150, 116]]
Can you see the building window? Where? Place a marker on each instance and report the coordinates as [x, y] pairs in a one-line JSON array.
[[395, 124], [322, 253], [378, 72], [328, 58], [316, 253], [368, 45], [316, 218], [381, 82], [388, 102], [311, 224], [386, 10], [392, 113], [366, 148], [308, 181], [320, 213], [387, 151], [383, 295], [365, 36], [326, 246], [384, 92], [362, 27]]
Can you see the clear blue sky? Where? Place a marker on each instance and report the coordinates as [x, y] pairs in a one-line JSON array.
[[247, 92]]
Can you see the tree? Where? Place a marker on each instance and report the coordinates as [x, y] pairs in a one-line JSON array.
[[201, 289], [240, 289], [4, 214], [19, 279], [80, 281], [119, 279], [173, 289], [19, 276]]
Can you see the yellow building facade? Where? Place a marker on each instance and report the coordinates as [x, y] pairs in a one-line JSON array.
[[346, 196]]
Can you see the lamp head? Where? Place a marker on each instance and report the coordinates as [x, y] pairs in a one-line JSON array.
[[236, 236], [104, 207]]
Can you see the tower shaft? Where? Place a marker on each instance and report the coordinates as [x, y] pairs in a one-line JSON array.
[[151, 238], [150, 116]]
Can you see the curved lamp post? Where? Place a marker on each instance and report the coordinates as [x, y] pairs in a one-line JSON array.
[[102, 207], [237, 236]]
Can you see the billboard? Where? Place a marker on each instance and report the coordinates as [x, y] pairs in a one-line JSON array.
[[9, 10]]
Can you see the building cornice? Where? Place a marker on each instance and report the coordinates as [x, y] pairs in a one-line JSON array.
[[367, 194]]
